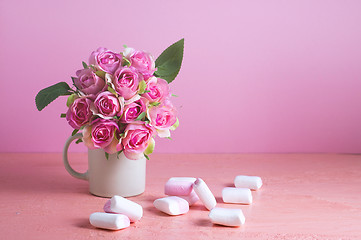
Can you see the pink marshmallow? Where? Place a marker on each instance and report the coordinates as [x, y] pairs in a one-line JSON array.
[[106, 207], [192, 198], [176, 187]]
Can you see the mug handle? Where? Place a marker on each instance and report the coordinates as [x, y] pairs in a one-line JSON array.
[[70, 170]]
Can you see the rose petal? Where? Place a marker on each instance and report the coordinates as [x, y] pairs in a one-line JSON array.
[[133, 155], [175, 125], [163, 133], [127, 52], [112, 147], [151, 146], [87, 137]]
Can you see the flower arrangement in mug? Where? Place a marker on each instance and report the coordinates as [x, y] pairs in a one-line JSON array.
[[120, 101]]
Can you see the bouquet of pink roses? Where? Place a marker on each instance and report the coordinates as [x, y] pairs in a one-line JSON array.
[[121, 101]]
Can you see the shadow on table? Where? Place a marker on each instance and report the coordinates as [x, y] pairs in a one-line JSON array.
[[207, 223], [229, 185], [153, 210], [202, 222], [82, 223]]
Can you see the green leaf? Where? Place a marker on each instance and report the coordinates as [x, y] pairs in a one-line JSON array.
[[169, 138], [112, 91], [126, 62], [79, 141], [146, 156], [142, 87], [169, 62], [154, 104], [73, 78], [85, 66], [63, 115], [107, 155], [74, 132], [100, 74], [173, 95], [49, 94], [71, 99], [150, 147], [140, 117], [125, 46]]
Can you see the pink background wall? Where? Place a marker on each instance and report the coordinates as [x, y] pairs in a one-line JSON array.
[[258, 76]]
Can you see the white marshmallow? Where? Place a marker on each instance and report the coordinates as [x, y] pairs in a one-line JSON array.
[[251, 182], [227, 217], [109, 220], [192, 198], [204, 194], [172, 205], [237, 195], [186, 179], [124, 206]]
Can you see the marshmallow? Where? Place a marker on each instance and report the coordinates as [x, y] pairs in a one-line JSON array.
[[192, 198], [187, 179], [172, 205], [251, 182], [179, 186], [109, 220], [124, 206], [204, 194], [227, 217], [237, 195], [182, 187], [106, 207]]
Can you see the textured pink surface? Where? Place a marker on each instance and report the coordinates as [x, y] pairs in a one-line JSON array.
[[305, 196], [258, 76]]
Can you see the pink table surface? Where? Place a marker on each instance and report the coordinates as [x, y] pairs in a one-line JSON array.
[[304, 196]]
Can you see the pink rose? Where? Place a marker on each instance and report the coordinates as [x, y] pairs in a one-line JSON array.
[[88, 82], [162, 117], [133, 110], [108, 105], [136, 140], [158, 90], [126, 81], [142, 61], [79, 112], [101, 134], [105, 60]]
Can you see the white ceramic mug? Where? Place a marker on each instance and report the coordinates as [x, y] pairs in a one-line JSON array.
[[108, 177]]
